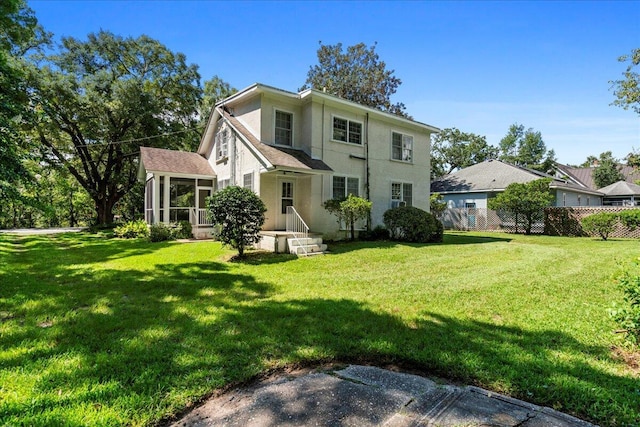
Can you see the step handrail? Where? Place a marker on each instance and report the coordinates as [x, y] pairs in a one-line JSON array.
[[297, 227]]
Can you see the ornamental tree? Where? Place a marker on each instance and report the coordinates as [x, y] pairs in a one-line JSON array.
[[239, 213], [349, 211], [526, 201]]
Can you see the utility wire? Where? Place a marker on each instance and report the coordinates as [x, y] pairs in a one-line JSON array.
[[130, 141]]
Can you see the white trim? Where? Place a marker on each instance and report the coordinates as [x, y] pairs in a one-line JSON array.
[[275, 111], [346, 184], [352, 144], [403, 134]]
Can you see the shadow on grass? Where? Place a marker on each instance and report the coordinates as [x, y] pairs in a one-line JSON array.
[[343, 246], [124, 347]]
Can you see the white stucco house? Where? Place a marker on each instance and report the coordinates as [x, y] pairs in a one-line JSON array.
[[295, 150]]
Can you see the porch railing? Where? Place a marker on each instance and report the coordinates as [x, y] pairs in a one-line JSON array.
[[198, 217], [297, 227]]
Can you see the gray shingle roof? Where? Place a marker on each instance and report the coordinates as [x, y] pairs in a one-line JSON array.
[[161, 160], [621, 188], [495, 175], [484, 176]]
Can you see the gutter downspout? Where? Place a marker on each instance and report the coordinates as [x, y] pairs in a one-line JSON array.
[[367, 188]]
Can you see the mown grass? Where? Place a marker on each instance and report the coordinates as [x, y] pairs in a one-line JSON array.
[[101, 331]]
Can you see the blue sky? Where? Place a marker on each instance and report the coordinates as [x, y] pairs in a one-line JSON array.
[[478, 66]]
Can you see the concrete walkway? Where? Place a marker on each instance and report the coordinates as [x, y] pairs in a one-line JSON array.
[[38, 231], [368, 396]]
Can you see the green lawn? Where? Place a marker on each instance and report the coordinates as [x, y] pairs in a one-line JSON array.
[[102, 331]]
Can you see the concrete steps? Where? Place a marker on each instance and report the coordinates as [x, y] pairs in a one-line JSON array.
[[306, 246]]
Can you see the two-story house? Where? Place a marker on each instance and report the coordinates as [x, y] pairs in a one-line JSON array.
[[295, 150]]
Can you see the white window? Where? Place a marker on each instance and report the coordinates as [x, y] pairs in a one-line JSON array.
[[248, 181], [343, 186], [222, 144], [223, 183], [347, 131], [401, 194], [401, 147], [284, 128]]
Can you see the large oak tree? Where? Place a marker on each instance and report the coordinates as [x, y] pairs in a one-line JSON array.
[[97, 101], [453, 149]]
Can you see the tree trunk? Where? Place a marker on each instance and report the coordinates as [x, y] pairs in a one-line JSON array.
[[104, 210]]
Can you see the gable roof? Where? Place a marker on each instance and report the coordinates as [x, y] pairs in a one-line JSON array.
[[179, 162], [490, 175], [621, 188], [301, 98], [278, 157], [496, 175], [584, 176]]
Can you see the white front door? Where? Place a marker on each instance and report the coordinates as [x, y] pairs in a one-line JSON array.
[[286, 194]]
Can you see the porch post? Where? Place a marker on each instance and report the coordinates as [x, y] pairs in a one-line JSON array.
[[167, 202], [155, 198]]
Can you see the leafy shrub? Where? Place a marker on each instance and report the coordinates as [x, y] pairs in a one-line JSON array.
[[181, 230], [628, 317], [630, 218], [132, 230], [159, 232], [411, 224], [240, 214], [378, 233], [601, 223]]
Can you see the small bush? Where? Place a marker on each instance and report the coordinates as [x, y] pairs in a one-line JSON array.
[[159, 232], [410, 224], [132, 230], [630, 218], [601, 224], [628, 317], [378, 233], [181, 230]]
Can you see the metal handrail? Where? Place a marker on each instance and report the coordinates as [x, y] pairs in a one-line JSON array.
[[296, 226]]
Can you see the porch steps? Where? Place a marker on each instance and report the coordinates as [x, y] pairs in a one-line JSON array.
[[306, 246]]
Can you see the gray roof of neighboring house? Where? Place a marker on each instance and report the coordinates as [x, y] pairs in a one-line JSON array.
[[495, 175], [584, 176], [171, 161], [484, 176], [278, 156], [621, 188]]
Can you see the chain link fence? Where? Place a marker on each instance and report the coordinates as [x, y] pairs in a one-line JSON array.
[[555, 221]]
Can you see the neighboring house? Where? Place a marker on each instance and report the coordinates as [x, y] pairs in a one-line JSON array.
[[621, 193], [295, 150], [472, 187]]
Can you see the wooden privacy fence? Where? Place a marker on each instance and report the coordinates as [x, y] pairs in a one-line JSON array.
[[556, 221]]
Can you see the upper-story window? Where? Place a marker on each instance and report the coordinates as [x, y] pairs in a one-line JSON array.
[[401, 147], [347, 131], [284, 128], [222, 144]]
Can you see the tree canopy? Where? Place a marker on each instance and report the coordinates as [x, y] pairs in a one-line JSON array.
[[525, 148], [19, 31], [453, 149], [215, 89], [607, 170], [526, 201], [627, 90], [98, 100], [356, 74]]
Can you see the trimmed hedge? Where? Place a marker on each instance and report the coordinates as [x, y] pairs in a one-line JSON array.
[[411, 224]]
